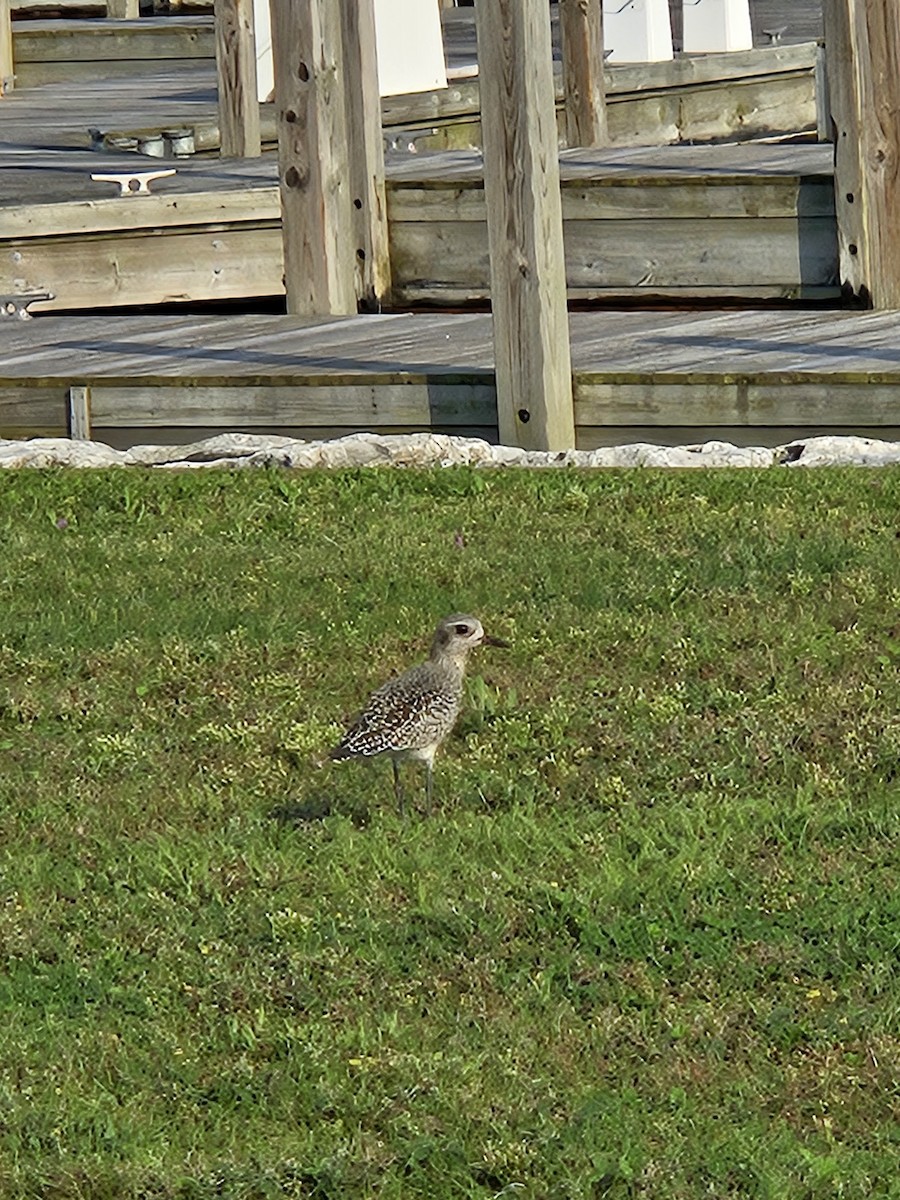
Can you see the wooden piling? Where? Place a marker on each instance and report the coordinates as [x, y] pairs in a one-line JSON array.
[[862, 50], [236, 71], [319, 255], [524, 216], [7, 70], [366, 154], [79, 414], [584, 83]]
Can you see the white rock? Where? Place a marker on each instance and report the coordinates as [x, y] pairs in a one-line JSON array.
[[211, 449], [59, 452], [505, 456], [432, 449], [829, 451], [724, 454]]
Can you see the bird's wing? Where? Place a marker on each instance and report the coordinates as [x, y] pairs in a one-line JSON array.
[[394, 718]]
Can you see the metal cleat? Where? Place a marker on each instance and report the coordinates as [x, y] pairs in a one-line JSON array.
[[16, 307], [134, 183]]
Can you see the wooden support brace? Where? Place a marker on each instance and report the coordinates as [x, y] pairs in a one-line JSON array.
[[236, 71], [524, 217], [584, 83], [7, 69], [80, 413], [862, 51], [313, 165], [366, 154]]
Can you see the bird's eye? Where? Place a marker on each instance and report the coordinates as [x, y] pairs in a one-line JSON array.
[[463, 630]]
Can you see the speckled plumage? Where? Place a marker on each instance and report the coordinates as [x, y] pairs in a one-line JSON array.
[[411, 715]]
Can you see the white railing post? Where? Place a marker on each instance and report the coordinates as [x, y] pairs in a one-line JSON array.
[[714, 25], [637, 30]]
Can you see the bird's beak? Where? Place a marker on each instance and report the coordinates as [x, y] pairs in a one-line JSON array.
[[487, 640]]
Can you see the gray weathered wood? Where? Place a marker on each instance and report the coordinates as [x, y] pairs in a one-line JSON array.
[[366, 154], [584, 83], [862, 43], [123, 10], [682, 377], [236, 72], [7, 71], [79, 412], [524, 218], [824, 129], [319, 255]]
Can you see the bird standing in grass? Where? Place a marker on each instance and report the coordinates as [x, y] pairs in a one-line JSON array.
[[410, 716]]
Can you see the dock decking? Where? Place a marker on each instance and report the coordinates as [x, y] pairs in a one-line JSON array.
[[747, 221], [748, 377]]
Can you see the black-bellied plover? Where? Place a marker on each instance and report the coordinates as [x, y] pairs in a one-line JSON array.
[[409, 717]]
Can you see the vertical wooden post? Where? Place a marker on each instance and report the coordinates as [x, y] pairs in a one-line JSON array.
[[80, 413], [584, 83], [7, 70], [123, 10], [824, 130], [313, 163], [862, 51], [236, 70], [366, 154], [524, 212]]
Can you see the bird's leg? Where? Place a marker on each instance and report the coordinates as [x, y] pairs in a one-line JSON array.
[[428, 789], [398, 791]]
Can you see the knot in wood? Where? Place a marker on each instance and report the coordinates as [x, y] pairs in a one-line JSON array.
[[294, 177]]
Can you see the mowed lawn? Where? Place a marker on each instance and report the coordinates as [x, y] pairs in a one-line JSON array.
[[646, 946]]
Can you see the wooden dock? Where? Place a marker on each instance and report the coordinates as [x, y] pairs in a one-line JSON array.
[[768, 90], [746, 377], [681, 221], [745, 221]]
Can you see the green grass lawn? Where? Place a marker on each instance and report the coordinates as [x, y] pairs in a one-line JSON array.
[[648, 944]]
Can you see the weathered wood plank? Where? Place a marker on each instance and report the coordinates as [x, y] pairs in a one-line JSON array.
[[158, 211], [608, 200], [124, 270], [33, 410], [434, 402], [777, 256], [738, 403], [319, 260], [151, 38], [527, 260], [236, 72]]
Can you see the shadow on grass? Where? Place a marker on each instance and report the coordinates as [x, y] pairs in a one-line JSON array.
[[318, 808]]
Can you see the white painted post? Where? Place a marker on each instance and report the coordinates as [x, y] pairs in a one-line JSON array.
[[637, 30], [265, 66], [714, 25], [410, 46]]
